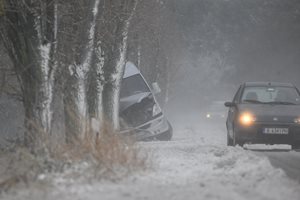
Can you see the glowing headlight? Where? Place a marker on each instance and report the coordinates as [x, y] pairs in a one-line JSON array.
[[208, 115], [156, 109], [297, 120], [246, 119]]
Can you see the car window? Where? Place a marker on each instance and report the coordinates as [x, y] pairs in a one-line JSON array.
[[133, 85], [270, 95]]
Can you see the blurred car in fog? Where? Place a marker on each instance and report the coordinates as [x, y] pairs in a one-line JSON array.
[[140, 113], [215, 111], [264, 113]]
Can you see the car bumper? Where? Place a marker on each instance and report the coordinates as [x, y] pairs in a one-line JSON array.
[[255, 134], [147, 130]]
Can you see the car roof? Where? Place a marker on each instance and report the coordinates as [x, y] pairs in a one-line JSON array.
[[278, 84], [130, 70]]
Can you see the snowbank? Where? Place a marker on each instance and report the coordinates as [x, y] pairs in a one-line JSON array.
[[196, 165]]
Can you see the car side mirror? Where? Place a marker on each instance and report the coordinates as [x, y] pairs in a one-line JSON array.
[[155, 88], [229, 104]]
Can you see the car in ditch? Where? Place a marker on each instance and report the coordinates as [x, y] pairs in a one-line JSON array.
[[140, 114], [264, 113]]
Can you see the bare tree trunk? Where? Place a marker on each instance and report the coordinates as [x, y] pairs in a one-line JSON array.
[[114, 70], [115, 60], [75, 100], [96, 81], [29, 36]]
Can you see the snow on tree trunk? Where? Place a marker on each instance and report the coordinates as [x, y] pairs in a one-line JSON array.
[[112, 85], [75, 100], [95, 85], [115, 52], [29, 36], [41, 41], [48, 50]]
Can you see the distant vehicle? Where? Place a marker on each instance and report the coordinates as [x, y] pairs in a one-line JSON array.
[[265, 113], [216, 111], [140, 114]]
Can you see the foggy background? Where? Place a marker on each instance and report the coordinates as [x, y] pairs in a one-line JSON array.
[[208, 48], [199, 52], [228, 42]]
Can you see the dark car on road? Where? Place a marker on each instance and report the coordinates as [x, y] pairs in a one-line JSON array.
[[140, 113], [264, 113]]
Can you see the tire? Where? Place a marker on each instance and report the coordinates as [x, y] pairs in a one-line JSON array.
[[234, 138], [166, 136], [229, 140], [295, 146], [236, 142]]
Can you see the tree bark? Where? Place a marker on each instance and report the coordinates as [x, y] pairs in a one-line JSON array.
[[96, 81], [38, 42], [115, 51], [29, 36], [75, 99]]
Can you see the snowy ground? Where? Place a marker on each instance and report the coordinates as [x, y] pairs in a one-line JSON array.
[[195, 165]]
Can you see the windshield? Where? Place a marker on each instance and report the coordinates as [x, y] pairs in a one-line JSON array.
[[280, 95], [133, 85]]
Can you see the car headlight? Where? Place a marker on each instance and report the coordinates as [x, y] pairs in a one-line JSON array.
[[208, 115], [246, 119], [156, 110], [297, 120]]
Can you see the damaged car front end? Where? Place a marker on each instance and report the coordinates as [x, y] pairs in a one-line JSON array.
[[140, 115]]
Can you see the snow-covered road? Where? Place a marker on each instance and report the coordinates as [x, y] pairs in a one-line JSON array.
[[289, 161], [195, 165]]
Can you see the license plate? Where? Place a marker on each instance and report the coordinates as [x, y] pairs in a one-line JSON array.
[[277, 131]]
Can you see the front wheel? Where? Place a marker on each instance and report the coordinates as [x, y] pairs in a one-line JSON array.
[[166, 136], [229, 140], [235, 141]]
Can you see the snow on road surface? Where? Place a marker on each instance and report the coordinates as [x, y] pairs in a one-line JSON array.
[[195, 165]]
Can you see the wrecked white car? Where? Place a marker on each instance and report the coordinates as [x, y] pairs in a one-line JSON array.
[[141, 115]]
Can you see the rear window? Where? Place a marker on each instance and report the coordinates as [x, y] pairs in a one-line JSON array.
[[133, 85], [270, 95]]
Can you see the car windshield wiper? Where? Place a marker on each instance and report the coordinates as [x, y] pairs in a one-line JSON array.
[[252, 101], [281, 103]]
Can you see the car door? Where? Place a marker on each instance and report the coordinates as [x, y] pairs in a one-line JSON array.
[[232, 112]]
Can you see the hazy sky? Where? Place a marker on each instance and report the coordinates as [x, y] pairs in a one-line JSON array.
[[229, 42]]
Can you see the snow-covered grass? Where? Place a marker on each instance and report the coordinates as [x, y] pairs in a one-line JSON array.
[[195, 165], [106, 156]]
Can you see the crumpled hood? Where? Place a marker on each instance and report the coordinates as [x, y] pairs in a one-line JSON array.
[[126, 102]]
